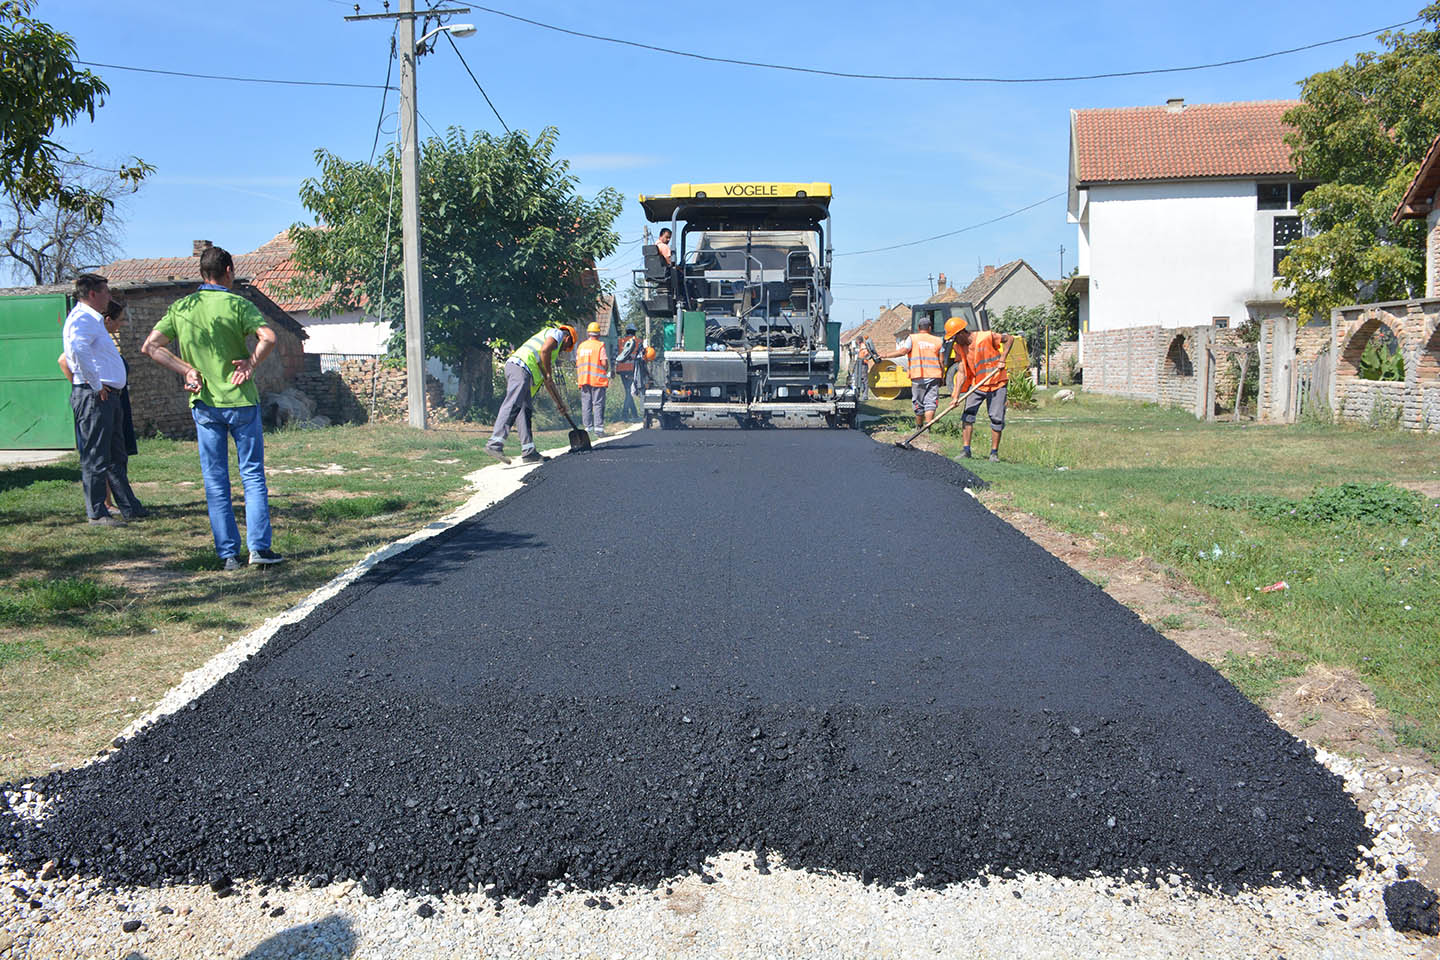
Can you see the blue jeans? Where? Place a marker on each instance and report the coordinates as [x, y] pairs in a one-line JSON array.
[[213, 428]]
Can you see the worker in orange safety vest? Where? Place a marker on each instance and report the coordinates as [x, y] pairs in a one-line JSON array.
[[982, 354], [627, 352], [925, 370], [592, 369]]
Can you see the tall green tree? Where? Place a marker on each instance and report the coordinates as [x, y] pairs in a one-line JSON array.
[[1360, 132], [506, 244], [40, 89]]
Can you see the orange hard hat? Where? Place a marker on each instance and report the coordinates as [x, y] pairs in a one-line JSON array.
[[953, 326], [649, 353], [570, 337], [594, 327]]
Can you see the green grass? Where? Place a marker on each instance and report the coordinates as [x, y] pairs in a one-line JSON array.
[[1237, 507], [93, 618]]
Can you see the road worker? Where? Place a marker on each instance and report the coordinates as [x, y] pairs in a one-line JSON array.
[[592, 370], [923, 349], [627, 352], [860, 368], [530, 366], [982, 354]]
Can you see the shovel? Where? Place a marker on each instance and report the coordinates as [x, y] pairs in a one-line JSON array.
[[579, 439], [905, 443]]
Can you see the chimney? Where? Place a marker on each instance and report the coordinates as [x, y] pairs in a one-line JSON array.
[[1175, 105], [198, 247], [989, 270], [940, 285]]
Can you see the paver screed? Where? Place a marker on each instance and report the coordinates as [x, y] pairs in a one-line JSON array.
[[795, 642]]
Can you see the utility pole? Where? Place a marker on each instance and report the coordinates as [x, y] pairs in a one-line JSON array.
[[931, 278], [410, 222], [1062, 263], [409, 201]]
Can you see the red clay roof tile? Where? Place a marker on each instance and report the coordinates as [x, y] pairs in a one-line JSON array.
[[1197, 140]]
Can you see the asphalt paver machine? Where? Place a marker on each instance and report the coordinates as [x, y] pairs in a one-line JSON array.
[[746, 307]]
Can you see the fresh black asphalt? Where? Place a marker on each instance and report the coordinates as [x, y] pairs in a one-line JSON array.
[[793, 642]]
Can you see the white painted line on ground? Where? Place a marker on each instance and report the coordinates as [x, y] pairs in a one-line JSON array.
[[490, 484]]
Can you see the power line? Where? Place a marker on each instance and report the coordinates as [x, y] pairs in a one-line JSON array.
[[951, 233], [389, 64], [212, 76], [888, 76], [477, 82], [897, 283]]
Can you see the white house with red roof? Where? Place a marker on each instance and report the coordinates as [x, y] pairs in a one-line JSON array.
[[1184, 213]]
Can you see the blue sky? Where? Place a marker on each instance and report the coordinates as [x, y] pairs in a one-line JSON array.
[[907, 159]]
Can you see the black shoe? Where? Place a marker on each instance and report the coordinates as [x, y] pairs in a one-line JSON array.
[[497, 451], [265, 556], [138, 514], [965, 454], [106, 521], [532, 456], [230, 565]]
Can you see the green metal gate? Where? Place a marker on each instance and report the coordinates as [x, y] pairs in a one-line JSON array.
[[34, 397]]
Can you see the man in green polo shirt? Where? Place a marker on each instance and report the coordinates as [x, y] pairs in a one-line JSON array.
[[210, 329]]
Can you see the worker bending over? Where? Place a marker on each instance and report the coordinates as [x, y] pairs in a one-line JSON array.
[[982, 354], [528, 367], [592, 369], [923, 349]]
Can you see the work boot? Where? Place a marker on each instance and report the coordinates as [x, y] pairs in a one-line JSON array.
[[994, 456], [965, 453], [531, 456], [497, 450]]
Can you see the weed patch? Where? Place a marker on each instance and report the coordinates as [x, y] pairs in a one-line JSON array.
[[358, 508], [1347, 503], [1257, 677], [34, 600]]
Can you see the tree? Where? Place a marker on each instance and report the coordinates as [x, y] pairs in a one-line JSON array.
[[1029, 323], [40, 88], [506, 244], [53, 243], [1360, 132]]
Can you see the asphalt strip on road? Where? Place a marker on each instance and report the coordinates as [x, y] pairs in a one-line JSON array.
[[798, 643]]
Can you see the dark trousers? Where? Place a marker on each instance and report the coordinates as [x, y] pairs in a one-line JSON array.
[[627, 390], [100, 429]]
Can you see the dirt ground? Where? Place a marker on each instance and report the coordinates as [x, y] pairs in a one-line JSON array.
[[1330, 708]]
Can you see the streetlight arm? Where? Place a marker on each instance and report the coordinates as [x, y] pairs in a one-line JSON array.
[[458, 29]]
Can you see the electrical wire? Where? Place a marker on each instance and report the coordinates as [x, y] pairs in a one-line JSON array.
[[213, 76], [889, 76], [384, 94], [477, 81], [951, 233]]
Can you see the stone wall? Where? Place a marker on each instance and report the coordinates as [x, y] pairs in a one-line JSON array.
[[1416, 400], [157, 396], [380, 390]]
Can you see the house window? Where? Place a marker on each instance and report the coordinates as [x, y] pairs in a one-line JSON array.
[[1285, 232], [1220, 323], [1280, 196]]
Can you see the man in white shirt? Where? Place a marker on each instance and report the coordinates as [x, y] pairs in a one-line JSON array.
[[98, 378]]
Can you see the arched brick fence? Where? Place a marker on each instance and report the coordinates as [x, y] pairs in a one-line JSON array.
[[1415, 401]]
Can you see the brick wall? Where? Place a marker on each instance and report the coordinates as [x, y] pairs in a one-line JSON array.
[[1125, 363], [381, 391], [1432, 259], [1416, 324]]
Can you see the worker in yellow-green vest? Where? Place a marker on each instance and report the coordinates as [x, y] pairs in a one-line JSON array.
[[592, 370], [528, 368]]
